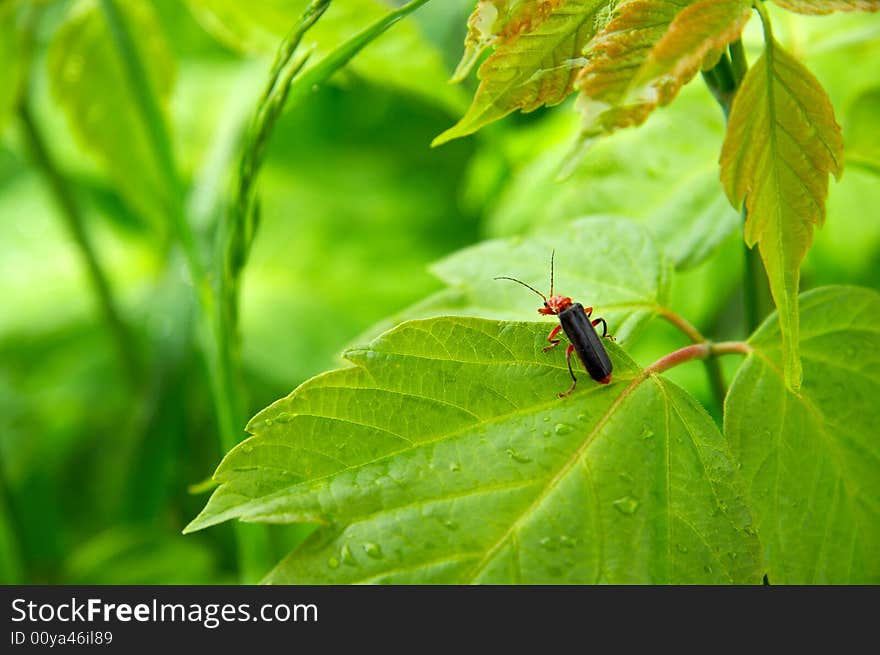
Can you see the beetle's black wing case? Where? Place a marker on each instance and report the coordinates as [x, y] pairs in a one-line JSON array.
[[587, 343]]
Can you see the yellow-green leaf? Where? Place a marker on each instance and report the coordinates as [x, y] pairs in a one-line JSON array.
[[828, 6], [782, 143], [648, 52], [88, 79], [536, 66], [492, 22]]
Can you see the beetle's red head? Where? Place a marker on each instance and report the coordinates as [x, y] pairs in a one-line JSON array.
[[554, 305]]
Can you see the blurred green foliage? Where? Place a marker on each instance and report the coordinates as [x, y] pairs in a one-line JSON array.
[[96, 474]]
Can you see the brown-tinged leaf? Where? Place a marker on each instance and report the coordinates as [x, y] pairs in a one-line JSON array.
[[535, 65], [828, 6], [782, 143], [646, 54]]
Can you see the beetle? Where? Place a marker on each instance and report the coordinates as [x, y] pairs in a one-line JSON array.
[[574, 320]]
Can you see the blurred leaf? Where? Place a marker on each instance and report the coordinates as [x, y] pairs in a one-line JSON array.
[[135, 555], [402, 58], [648, 51], [89, 81], [782, 143], [672, 189], [608, 263], [11, 56], [443, 456], [812, 459], [828, 6], [863, 131], [535, 62]]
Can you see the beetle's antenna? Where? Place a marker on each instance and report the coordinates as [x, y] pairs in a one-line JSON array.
[[552, 256], [513, 279]]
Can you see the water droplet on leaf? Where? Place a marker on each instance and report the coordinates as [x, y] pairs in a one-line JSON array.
[[333, 563], [517, 457], [626, 505], [373, 550], [347, 556], [563, 428]]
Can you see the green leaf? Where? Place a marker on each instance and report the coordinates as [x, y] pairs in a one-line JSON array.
[[674, 192], [536, 65], [782, 143], [611, 264], [11, 54], [648, 51], [443, 455], [828, 6], [812, 459], [403, 58], [88, 80]]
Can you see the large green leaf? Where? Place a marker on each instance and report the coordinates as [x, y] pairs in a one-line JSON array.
[[782, 144], [534, 64], [812, 459], [646, 54], [402, 58], [89, 80], [443, 455]]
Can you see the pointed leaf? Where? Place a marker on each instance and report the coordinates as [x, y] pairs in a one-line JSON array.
[[648, 52], [493, 21], [828, 6], [443, 455], [812, 459], [782, 143], [88, 80], [536, 66]]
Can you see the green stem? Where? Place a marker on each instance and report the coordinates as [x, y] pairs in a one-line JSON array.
[[739, 61], [76, 225], [213, 329]]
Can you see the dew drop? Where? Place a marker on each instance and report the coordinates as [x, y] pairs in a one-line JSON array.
[[247, 448], [546, 419], [450, 525], [517, 457], [268, 423], [566, 542], [454, 466], [346, 556], [707, 568], [333, 563], [647, 432], [681, 548], [373, 550], [283, 417], [563, 428], [582, 417], [626, 505], [547, 433], [547, 543]]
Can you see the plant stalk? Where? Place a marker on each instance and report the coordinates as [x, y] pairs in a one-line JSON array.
[[713, 367], [73, 218], [212, 327]]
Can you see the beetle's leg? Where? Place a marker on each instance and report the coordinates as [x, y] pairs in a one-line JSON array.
[[588, 311], [604, 328], [552, 338], [574, 380]]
